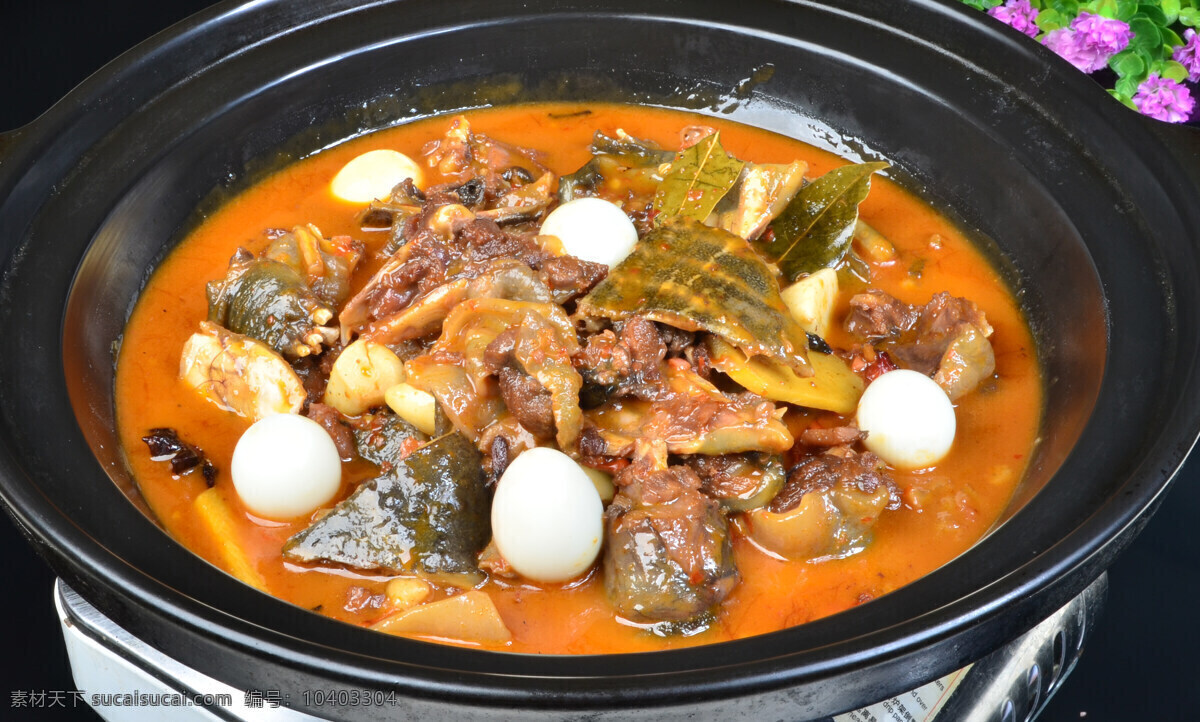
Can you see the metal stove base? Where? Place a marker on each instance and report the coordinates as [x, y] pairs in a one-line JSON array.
[[126, 680]]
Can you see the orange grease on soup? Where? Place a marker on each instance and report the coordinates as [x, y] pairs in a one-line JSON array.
[[945, 510]]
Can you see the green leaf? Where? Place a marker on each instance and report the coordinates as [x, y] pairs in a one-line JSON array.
[[1153, 13], [1048, 20], [699, 178], [815, 229], [1171, 70], [1126, 9], [1170, 9], [1190, 17], [1145, 34], [1067, 8], [1126, 87], [1127, 62], [1149, 57], [1106, 8], [1125, 99], [1171, 39]]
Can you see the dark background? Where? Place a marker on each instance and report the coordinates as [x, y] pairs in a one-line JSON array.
[[1143, 663]]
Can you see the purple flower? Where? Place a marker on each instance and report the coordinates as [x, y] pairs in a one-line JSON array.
[[1188, 55], [1018, 14], [1164, 99], [1106, 35], [1090, 41]]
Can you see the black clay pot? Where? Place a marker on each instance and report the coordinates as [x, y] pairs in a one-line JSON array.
[[1090, 206]]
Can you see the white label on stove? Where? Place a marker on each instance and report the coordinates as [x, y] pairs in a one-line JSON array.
[[920, 705]]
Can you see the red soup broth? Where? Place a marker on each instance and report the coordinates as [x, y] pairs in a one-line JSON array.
[[945, 510]]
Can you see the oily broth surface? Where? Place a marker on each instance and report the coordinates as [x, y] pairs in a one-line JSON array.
[[945, 510]]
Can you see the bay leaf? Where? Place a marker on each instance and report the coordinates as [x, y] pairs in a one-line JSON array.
[[698, 179], [814, 231]]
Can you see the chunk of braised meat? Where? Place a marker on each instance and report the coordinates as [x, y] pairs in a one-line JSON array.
[[876, 315], [483, 240], [570, 277], [499, 353], [509, 279], [739, 481], [462, 154], [827, 508], [165, 445], [502, 442], [678, 342], [360, 599], [839, 468], [628, 365], [330, 419], [527, 400], [689, 416], [398, 287], [314, 372], [450, 247], [829, 437], [967, 361], [939, 324], [567, 277], [871, 364], [524, 396], [668, 555], [945, 339], [327, 264], [594, 451]]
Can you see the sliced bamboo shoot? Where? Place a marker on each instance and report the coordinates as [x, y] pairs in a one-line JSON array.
[[811, 301], [872, 244], [219, 522], [414, 406], [467, 617]]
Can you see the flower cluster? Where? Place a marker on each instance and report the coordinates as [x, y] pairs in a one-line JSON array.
[[1090, 41], [1019, 14], [1164, 99], [1139, 42], [1188, 55]]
